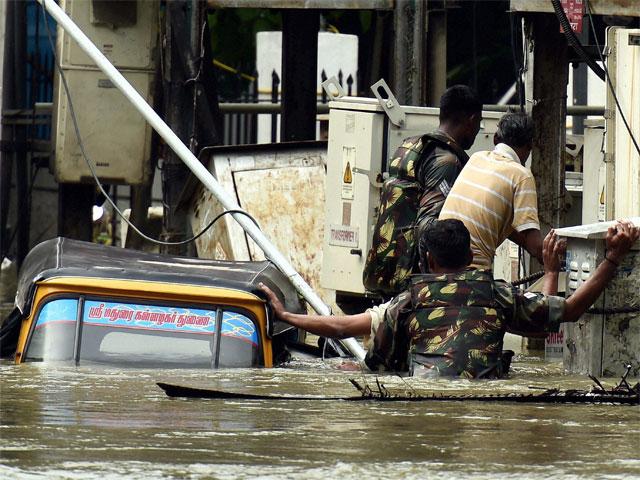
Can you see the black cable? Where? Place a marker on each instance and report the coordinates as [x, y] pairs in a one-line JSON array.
[[608, 78], [210, 224], [528, 278], [574, 41], [92, 169], [614, 310], [517, 64]]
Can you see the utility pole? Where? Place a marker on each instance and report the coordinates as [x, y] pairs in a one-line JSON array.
[[546, 80], [190, 105], [6, 159], [420, 51], [299, 74], [14, 137]]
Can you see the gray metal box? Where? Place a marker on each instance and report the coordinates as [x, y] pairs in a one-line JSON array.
[[602, 344]]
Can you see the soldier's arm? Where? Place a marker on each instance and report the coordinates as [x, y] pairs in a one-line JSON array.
[[527, 313], [334, 326], [536, 313], [619, 240], [391, 344], [436, 175]]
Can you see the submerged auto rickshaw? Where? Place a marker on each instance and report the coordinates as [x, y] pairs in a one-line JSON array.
[[91, 304]]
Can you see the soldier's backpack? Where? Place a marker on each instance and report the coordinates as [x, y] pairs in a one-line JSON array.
[[392, 257]]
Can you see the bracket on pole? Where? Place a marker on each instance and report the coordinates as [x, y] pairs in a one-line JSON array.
[[389, 103], [328, 83]]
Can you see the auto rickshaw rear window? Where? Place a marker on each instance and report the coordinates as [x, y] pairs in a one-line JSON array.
[[53, 337], [146, 335]]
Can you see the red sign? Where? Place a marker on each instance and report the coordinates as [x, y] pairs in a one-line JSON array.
[[574, 9]]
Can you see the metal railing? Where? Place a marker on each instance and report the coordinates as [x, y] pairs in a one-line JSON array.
[[240, 114]]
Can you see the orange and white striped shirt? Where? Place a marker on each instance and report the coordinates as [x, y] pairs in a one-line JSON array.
[[493, 196]]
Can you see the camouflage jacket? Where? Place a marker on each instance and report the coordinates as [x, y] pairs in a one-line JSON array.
[[454, 324], [421, 174], [436, 175]]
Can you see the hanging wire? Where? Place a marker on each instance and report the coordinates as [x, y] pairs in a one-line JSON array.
[[608, 78], [92, 169]]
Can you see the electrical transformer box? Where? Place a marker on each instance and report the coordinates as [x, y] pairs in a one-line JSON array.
[[604, 342], [116, 138], [363, 135]]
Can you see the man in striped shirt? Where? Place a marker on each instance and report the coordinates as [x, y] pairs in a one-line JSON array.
[[495, 194]]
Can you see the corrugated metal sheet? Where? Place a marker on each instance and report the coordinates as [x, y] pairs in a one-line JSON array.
[[284, 191], [289, 205]]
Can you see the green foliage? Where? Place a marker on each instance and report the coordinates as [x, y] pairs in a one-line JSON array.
[[233, 42]]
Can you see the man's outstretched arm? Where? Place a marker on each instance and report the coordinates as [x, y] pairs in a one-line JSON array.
[[536, 314], [619, 240], [334, 326]]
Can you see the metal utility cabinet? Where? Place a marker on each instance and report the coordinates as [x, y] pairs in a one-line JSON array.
[[602, 344], [363, 134], [624, 70]]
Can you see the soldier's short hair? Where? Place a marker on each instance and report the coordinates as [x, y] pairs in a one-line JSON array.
[[448, 241], [515, 129], [458, 101]]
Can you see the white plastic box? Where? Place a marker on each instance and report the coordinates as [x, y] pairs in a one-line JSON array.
[[115, 136]]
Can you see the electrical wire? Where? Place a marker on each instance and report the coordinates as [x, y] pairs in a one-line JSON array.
[[614, 310], [517, 64], [574, 41], [608, 78], [528, 278], [227, 68], [92, 169]]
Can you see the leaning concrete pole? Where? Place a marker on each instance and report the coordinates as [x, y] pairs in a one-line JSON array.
[[195, 166]]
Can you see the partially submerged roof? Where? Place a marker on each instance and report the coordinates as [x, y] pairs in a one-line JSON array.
[[63, 257]]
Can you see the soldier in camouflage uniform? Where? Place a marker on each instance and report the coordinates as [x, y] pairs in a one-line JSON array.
[[454, 324], [452, 321], [421, 173]]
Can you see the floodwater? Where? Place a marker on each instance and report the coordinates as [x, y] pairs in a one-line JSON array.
[[79, 423]]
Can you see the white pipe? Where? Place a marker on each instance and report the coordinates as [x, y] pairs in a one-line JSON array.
[[195, 166], [508, 95]]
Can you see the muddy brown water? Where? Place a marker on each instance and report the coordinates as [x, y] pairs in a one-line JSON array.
[[99, 423]]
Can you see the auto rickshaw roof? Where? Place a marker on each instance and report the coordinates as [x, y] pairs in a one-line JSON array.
[[64, 257]]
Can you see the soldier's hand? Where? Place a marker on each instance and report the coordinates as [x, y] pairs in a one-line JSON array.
[[553, 250], [619, 240], [276, 304]]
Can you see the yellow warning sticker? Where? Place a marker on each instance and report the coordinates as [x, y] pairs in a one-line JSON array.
[[348, 163], [347, 177]]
